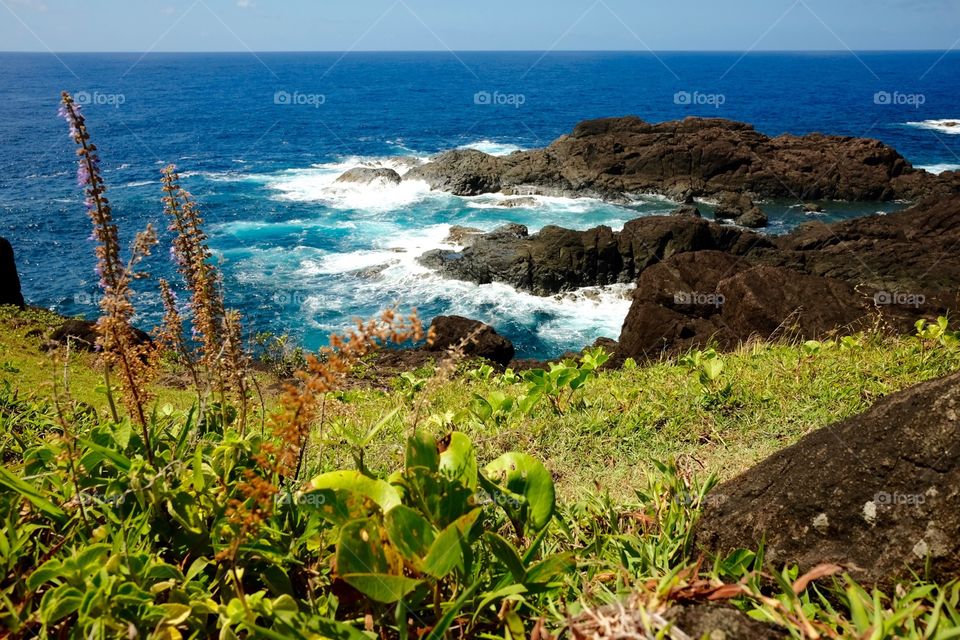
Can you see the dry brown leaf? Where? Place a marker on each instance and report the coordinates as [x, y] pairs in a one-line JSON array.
[[819, 571]]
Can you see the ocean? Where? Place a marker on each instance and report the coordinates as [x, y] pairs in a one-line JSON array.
[[260, 139]]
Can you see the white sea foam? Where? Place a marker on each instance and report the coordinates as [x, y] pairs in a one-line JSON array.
[[944, 125], [940, 168], [492, 148]]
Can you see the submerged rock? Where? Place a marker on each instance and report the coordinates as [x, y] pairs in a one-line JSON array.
[[876, 493], [368, 175]]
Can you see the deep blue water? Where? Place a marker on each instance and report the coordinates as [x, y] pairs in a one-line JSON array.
[[261, 138]]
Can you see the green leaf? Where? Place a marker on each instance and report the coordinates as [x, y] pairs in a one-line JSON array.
[[381, 587], [59, 603], [380, 492], [45, 573], [506, 553], [362, 562], [422, 451], [459, 461], [29, 492], [550, 568], [446, 552], [410, 533], [525, 479]]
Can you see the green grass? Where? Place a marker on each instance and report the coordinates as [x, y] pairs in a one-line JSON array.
[[626, 418], [95, 541]]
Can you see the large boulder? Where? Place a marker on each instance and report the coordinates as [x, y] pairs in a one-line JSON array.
[[9, 280], [82, 335], [691, 299], [817, 280], [462, 172], [474, 337], [878, 493]]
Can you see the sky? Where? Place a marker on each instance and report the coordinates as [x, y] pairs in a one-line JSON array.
[[461, 25]]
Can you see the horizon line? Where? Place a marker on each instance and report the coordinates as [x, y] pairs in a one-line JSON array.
[[447, 51]]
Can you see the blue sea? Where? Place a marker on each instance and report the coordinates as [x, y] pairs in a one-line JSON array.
[[260, 139]]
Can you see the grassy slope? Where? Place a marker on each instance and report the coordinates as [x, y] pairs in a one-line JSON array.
[[608, 435], [624, 419]]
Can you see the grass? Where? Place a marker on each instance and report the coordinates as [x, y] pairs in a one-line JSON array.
[[631, 454], [626, 418]]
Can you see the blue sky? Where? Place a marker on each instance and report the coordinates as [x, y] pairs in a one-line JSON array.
[[330, 25]]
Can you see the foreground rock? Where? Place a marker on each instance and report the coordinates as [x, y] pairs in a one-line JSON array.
[[9, 280], [693, 620], [472, 336], [370, 175], [878, 494], [611, 157]]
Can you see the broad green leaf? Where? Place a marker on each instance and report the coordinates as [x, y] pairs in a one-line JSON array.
[[459, 460], [410, 533], [422, 451], [550, 568], [381, 587], [382, 493], [524, 478], [59, 603], [446, 552]]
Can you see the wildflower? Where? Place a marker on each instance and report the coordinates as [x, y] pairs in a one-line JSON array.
[[118, 343]]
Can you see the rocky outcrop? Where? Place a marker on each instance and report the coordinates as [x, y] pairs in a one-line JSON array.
[[473, 337], [557, 259], [9, 279], [876, 493], [611, 157], [818, 280], [370, 175]]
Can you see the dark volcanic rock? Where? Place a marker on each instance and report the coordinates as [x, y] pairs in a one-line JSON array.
[[690, 299], [695, 156], [482, 340], [876, 493], [82, 334], [812, 282], [557, 259], [688, 210], [367, 175], [461, 235], [740, 208], [462, 172], [9, 280]]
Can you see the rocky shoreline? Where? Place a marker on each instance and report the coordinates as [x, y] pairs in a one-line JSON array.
[[700, 281]]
